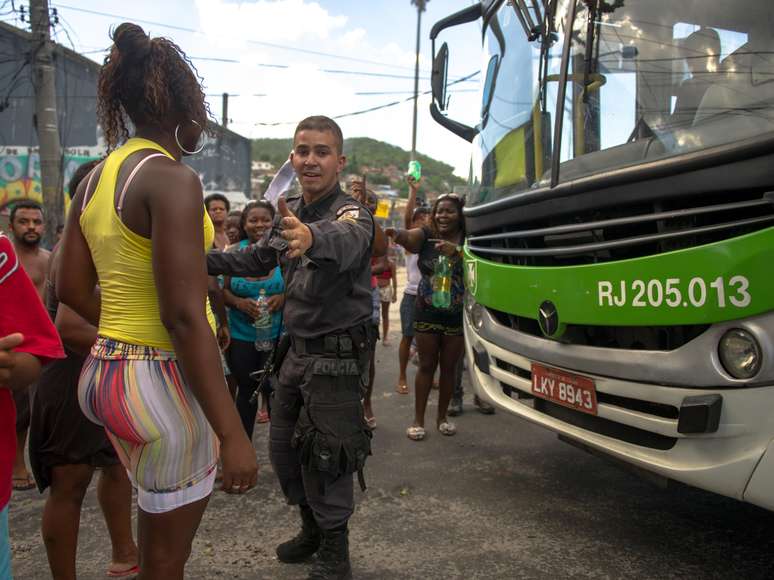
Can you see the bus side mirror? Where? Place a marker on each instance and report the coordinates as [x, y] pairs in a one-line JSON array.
[[439, 77]]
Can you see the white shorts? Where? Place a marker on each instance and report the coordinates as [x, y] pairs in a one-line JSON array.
[[385, 293]]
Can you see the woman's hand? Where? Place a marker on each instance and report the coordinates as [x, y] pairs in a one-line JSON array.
[[275, 302], [448, 249], [224, 337], [240, 467], [413, 183], [249, 307]]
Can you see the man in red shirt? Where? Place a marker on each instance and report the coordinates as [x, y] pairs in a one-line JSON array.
[[28, 225], [28, 339]]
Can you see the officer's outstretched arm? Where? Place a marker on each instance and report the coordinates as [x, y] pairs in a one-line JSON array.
[[255, 261], [344, 242]]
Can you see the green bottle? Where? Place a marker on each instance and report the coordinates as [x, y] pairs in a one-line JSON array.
[[415, 170], [442, 283]]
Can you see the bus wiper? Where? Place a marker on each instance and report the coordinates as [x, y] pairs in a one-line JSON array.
[[531, 28], [548, 38], [536, 23]]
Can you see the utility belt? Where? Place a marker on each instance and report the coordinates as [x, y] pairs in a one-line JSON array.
[[345, 344], [340, 354]]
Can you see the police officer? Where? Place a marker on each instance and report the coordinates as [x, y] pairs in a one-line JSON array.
[[318, 436]]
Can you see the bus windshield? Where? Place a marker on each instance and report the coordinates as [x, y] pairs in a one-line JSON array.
[[646, 79]]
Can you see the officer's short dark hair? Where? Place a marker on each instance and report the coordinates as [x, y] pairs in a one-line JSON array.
[[79, 175], [322, 124], [217, 197], [25, 204]]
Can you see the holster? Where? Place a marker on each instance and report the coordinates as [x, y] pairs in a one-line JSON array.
[[269, 374], [279, 354], [363, 340]]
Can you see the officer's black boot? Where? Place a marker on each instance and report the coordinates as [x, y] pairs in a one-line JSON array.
[[305, 544], [333, 558]]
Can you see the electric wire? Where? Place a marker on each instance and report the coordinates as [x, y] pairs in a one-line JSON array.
[[250, 41], [370, 109]]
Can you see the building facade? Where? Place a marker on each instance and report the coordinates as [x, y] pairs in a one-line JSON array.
[[223, 165]]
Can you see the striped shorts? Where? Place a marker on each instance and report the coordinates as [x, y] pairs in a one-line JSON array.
[[153, 421]]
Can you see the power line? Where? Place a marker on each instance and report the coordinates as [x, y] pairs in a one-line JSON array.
[[285, 66], [250, 41], [370, 109], [375, 93]]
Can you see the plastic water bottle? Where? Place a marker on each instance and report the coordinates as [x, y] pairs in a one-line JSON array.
[[263, 324], [442, 283]]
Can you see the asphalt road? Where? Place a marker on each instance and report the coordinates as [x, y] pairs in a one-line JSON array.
[[502, 499]]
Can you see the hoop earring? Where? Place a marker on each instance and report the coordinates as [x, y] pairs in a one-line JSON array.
[[183, 149]]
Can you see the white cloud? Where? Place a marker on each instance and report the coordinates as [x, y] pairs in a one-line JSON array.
[[352, 38], [303, 88], [394, 53], [269, 21]]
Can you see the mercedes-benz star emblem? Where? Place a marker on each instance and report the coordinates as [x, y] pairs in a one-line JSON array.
[[548, 317]]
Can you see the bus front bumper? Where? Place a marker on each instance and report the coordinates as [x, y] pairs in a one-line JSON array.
[[638, 422]]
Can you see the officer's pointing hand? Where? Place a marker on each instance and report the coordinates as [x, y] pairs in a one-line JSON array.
[[297, 234]]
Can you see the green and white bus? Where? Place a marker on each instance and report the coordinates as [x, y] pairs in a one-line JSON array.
[[620, 258]]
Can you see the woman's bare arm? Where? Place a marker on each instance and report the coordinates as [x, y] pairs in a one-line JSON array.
[[76, 276]]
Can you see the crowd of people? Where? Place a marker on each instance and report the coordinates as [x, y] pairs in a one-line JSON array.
[[160, 331]]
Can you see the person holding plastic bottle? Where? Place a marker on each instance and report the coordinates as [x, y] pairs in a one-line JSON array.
[[439, 306], [254, 317]]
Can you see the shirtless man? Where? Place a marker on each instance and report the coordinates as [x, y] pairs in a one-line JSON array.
[[218, 207], [27, 227]]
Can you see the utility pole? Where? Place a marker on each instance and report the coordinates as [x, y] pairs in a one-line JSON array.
[[46, 122], [420, 4], [225, 111]]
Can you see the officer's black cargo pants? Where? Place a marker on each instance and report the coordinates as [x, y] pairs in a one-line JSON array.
[[331, 499]]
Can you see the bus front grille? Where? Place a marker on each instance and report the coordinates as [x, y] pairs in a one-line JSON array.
[[663, 338], [621, 233]]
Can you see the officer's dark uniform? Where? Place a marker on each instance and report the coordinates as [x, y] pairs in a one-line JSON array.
[[318, 436]]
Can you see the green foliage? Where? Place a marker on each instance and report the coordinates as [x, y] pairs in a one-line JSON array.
[[275, 151], [376, 155], [378, 179]]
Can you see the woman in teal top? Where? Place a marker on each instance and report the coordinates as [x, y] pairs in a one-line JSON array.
[[241, 296]]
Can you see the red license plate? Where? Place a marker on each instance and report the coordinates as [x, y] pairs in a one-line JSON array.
[[573, 391]]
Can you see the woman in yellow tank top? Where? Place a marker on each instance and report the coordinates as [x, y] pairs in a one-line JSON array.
[[138, 229]]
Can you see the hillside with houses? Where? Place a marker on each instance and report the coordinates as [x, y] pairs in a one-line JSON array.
[[384, 165]]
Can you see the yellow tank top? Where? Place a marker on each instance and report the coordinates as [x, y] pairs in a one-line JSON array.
[[130, 306]]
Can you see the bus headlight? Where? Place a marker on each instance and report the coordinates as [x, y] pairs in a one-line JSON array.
[[469, 302], [477, 316], [474, 311], [740, 354]]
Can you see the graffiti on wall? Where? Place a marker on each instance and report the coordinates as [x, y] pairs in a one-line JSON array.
[[219, 168], [20, 171]]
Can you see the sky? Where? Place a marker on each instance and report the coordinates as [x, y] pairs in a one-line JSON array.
[[262, 52]]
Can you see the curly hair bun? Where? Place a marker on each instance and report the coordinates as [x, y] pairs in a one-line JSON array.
[[131, 41], [148, 81]]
